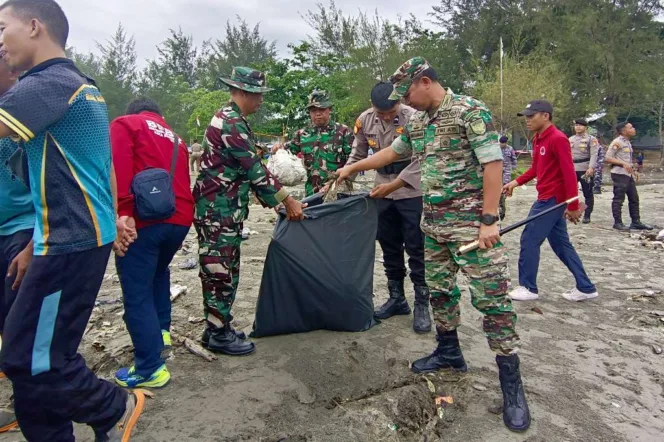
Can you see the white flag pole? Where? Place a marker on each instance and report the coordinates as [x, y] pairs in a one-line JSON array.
[[501, 85]]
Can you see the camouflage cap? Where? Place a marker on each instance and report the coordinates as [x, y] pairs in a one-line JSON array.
[[247, 79], [319, 99], [403, 78]]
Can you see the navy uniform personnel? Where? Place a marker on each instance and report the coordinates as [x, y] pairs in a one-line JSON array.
[[399, 213]]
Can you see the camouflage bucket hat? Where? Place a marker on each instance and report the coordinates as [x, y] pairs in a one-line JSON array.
[[247, 79], [403, 78], [319, 99]]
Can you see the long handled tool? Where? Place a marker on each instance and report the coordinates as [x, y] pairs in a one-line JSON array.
[[475, 244]]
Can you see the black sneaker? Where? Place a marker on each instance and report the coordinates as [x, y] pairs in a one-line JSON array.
[[621, 227], [586, 220]]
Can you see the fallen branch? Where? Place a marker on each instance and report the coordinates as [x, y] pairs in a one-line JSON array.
[[194, 348]]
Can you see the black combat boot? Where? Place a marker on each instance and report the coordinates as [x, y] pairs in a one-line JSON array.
[[205, 339], [421, 318], [226, 340], [516, 415], [397, 304], [638, 225], [447, 355], [621, 227]]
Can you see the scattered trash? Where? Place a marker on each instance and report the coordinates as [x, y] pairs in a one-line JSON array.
[[177, 291], [245, 233], [537, 310], [444, 400], [393, 427], [106, 324], [660, 236], [582, 348], [657, 313], [656, 349], [188, 264], [479, 387], [98, 346], [630, 319], [430, 384], [615, 405], [287, 168], [441, 403], [148, 394], [195, 320]]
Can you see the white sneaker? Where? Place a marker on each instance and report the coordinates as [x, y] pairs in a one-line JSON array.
[[576, 295], [522, 294]]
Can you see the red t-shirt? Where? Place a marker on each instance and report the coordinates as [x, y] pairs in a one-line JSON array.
[[142, 141], [553, 167]]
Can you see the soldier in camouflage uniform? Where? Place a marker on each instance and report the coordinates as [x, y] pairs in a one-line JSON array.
[[455, 142], [324, 144], [229, 169]]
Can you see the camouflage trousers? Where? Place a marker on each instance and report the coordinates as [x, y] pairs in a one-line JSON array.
[[488, 277], [219, 258]]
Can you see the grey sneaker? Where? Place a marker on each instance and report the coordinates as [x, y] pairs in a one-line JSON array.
[[121, 432], [8, 418]]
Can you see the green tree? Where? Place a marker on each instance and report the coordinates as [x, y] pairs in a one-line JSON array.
[[117, 75], [243, 46], [202, 104], [525, 80], [178, 56]]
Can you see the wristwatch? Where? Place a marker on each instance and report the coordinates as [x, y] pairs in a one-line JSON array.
[[488, 220]]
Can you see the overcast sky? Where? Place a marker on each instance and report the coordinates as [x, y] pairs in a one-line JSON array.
[[149, 20]]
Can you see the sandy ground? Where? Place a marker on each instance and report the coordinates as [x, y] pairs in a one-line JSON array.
[[589, 369]]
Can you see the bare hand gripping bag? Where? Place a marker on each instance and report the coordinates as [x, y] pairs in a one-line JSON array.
[[318, 273]]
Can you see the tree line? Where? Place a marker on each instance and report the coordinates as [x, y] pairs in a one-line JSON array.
[[598, 57]]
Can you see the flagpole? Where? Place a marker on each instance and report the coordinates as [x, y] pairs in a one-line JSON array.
[[501, 85]]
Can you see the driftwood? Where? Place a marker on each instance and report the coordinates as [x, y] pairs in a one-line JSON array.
[[194, 348]]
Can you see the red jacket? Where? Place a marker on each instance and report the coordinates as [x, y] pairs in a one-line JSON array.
[[553, 167], [142, 141]]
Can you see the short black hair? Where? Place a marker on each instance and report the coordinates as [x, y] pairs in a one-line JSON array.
[[504, 139], [581, 122], [380, 96], [621, 126], [143, 104], [46, 11], [430, 73]]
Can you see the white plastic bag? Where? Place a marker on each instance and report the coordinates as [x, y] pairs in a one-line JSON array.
[[287, 168]]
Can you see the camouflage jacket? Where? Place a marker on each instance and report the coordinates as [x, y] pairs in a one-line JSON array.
[[229, 168], [451, 146], [323, 150]]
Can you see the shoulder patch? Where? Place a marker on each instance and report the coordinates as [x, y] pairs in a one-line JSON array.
[[478, 126]]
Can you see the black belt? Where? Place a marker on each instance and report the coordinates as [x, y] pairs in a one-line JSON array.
[[394, 168], [581, 161]]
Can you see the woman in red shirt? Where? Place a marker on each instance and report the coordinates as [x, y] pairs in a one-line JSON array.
[[142, 139]]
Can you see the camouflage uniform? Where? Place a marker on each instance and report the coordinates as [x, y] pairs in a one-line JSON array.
[[324, 149], [229, 169], [451, 146]]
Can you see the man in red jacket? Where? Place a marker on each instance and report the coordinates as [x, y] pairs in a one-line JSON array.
[[556, 182], [142, 139]]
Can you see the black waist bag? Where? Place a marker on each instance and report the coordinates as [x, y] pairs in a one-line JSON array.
[[154, 198]]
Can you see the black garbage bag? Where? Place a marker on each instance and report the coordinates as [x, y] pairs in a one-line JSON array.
[[318, 273]]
